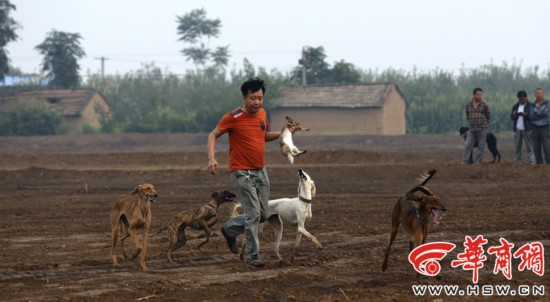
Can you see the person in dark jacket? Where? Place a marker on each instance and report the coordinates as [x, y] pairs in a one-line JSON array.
[[539, 113], [522, 128]]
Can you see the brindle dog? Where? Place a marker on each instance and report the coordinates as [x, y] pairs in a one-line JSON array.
[[198, 219]]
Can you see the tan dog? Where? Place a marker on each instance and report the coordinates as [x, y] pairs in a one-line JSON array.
[[130, 214], [198, 219], [287, 145]]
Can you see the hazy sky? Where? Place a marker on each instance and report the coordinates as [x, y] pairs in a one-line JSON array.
[[371, 34]]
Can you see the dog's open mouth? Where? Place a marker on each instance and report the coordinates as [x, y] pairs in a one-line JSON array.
[[437, 215], [229, 198], [151, 198]]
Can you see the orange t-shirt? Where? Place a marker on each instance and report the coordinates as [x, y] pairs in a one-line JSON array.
[[246, 138]]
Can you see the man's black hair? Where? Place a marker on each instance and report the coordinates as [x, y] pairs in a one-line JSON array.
[[476, 90], [252, 86], [522, 93]]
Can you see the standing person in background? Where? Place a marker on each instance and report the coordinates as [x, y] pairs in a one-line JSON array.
[[248, 130], [540, 132], [522, 128], [478, 115]]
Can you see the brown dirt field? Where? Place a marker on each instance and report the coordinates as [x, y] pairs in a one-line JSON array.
[[58, 191]]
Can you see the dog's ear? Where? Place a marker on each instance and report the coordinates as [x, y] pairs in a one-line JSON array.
[[290, 120], [136, 190], [313, 190], [215, 194]]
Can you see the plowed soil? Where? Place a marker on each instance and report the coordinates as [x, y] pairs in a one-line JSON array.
[[57, 193]]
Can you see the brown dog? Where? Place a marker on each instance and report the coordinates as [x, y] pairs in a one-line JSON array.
[[130, 214], [198, 219], [413, 211], [285, 139]]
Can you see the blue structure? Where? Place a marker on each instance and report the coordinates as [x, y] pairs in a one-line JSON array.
[[25, 80]]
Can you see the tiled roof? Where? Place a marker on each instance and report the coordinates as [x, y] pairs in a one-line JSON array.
[[348, 96], [66, 102]]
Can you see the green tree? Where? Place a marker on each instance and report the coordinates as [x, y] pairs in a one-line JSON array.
[[220, 57], [151, 100], [32, 118], [344, 73], [7, 34], [194, 28], [317, 69], [61, 52], [436, 99]]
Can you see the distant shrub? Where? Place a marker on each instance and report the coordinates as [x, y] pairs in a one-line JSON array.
[[31, 118], [89, 129]]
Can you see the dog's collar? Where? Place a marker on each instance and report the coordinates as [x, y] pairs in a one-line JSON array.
[[419, 216], [304, 199], [210, 206], [214, 217], [213, 209]]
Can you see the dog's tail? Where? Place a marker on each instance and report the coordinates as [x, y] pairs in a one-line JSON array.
[[424, 178], [160, 231]]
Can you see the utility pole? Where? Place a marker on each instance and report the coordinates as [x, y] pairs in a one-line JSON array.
[[102, 66], [303, 62]]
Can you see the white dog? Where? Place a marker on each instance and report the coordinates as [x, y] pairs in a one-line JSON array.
[[287, 145], [294, 211]]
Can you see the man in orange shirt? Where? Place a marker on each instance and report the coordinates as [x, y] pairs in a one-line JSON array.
[[248, 130]]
